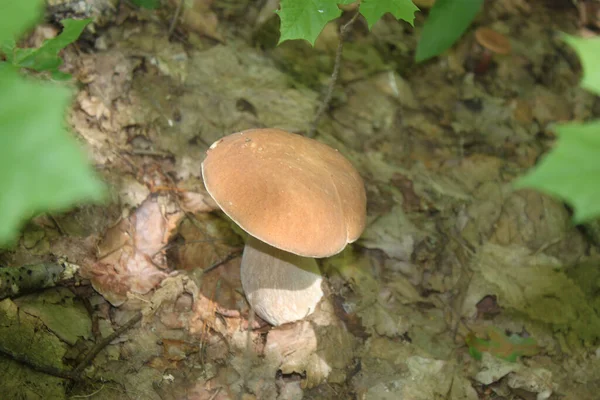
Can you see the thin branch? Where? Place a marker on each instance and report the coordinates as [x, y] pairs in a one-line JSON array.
[[334, 76], [229, 257], [74, 374], [175, 19], [98, 347]]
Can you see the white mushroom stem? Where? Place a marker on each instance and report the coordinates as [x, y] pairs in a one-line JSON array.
[[281, 287]]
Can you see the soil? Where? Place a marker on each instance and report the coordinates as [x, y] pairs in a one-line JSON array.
[[460, 287]]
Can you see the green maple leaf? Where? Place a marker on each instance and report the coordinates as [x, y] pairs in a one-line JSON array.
[[45, 58], [373, 10], [571, 170], [447, 21], [41, 166], [588, 51], [305, 19], [18, 16]]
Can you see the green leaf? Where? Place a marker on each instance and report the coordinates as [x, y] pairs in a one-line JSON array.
[[7, 48], [373, 10], [500, 345], [45, 58], [589, 54], [16, 16], [60, 76], [41, 166], [571, 170], [149, 4], [447, 21], [305, 19]]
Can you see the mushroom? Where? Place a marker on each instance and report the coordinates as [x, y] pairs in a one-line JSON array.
[[492, 43], [298, 200]]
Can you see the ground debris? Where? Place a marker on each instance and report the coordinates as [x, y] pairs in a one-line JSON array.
[[533, 284], [453, 258], [16, 281], [130, 256]]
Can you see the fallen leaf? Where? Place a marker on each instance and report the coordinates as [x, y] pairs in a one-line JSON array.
[[62, 314], [198, 17], [533, 284], [130, 256], [497, 343]]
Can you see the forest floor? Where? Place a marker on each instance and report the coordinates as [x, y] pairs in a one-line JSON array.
[[461, 287]]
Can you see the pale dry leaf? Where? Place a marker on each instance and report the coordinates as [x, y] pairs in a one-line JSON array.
[[40, 34], [533, 284], [170, 289], [198, 17], [113, 73], [150, 228], [494, 369], [266, 13], [392, 233], [321, 347], [131, 192], [536, 380], [92, 106], [130, 255], [198, 202], [209, 240], [204, 316]]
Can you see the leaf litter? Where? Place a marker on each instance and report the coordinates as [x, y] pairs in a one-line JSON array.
[[403, 309]]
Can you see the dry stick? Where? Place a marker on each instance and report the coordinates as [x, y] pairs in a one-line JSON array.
[[247, 354], [334, 76], [216, 265], [98, 347], [57, 224], [74, 374], [151, 153], [214, 396], [175, 18]]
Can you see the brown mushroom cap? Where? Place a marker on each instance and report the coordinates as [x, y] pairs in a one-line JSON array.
[[492, 40], [291, 192]]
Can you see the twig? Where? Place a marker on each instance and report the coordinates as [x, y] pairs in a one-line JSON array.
[[334, 76], [74, 374], [215, 394], [229, 257], [150, 153], [175, 18], [98, 347], [58, 226], [85, 396], [545, 246], [247, 354]]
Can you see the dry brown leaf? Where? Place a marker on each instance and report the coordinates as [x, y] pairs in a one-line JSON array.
[[198, 202], [92, 105], [198, 17], [321, 348], [209, 240], [130, 257]]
